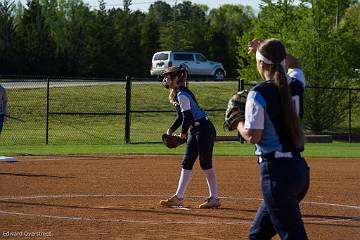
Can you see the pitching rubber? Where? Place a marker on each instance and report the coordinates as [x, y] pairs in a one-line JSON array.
[[7, 159]]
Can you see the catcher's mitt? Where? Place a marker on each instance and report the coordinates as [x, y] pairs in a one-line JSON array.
[[172, 141], [235, 111]]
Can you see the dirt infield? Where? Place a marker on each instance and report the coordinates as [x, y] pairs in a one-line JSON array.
[[116, 197]]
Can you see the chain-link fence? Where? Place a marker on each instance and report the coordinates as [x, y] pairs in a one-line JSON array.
[[152, 113], [64, 111], [333, 111], [114, 111]]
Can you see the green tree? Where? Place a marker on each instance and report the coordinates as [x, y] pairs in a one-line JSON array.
[[227, 24], [174, 35], [8, 41], [311, 32], [38, 45], [126, 5], [158, 15], [199, 26], [325, 51], [78, 45], [275, 20], [129, 59], [349, 26], [160, 11], [185, 28], [105, 54], [150, 37]]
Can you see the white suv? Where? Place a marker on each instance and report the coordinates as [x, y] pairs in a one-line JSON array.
[[195, 64]]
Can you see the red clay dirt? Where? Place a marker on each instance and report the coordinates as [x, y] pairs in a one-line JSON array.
[[117, 197]]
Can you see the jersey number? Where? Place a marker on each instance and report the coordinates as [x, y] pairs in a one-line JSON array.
[[296, 103]]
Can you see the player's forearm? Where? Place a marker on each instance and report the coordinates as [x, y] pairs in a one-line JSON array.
[[179, 118], [186, 123], [252, 136], [176, 124]]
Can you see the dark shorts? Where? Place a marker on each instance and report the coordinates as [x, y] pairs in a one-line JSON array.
[[200, 143], [284, 183]]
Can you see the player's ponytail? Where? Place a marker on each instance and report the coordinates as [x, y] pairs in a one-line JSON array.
[[274, 51], [172, 94]]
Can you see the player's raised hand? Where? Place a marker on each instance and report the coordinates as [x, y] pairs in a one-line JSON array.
[[253, 45]]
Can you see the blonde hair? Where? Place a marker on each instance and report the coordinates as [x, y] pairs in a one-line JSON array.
[[172, 94]]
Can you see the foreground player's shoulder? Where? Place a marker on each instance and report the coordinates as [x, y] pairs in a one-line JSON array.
[[264, 86], [255, 95]]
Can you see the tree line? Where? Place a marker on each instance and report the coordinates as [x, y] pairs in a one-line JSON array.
[[69, 38], [325, 36]]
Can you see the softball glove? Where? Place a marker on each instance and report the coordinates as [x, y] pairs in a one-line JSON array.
[[172, 141], [235, 111]]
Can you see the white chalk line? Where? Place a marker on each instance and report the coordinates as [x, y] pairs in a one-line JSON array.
[[123, 220], [157, 222], [157, 195], [111, 195]]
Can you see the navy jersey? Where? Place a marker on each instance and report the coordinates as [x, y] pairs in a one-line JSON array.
[[187, 102], [296, 81], [187, 108], [263, 111], [264, 99]]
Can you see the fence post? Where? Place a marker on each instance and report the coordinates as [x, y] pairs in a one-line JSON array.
[[47, 111], [128, 109], [241, 86], [350, 105], [315, 103]]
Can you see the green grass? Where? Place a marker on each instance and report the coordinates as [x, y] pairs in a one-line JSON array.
[[335, 149], [30, 106]]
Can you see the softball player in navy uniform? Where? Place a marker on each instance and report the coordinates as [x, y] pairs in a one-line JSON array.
[[296, 79], [272, 123], [200, 141]]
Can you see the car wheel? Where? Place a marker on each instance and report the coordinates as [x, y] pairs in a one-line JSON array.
[[219, 75]]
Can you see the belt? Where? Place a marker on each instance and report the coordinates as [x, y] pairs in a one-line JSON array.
[[201, 120], [275, 154]]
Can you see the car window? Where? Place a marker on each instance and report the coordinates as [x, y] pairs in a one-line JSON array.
[[184, 56], [200, 58], [161, 56]]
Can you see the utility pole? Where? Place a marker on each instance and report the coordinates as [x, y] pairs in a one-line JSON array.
[[174, 32], [337, 18]]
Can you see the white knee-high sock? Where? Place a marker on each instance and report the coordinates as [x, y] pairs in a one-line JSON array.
[[211, 181], [184, 180]]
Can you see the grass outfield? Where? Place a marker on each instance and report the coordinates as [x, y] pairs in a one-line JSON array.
[[335, 149], [29, 105]]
